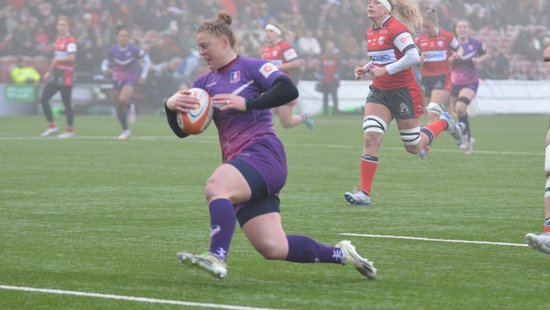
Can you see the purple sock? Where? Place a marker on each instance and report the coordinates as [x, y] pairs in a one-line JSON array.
[[303, 249], [222, 226]]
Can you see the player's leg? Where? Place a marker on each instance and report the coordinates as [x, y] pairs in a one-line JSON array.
[[465, 96], [66, 97], [376, 120], [122, 101], [542, 242], [49, 91], [289, 120], [265, 232], [225, 187]]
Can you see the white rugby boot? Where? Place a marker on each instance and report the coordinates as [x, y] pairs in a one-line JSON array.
[[351, 257], [539, 242], [357, 198], [207, 261]]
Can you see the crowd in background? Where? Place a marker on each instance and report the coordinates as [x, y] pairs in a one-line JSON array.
[[515, 32]]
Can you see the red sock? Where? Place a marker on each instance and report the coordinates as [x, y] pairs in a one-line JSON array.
[[52, 125], [368, 169], [437, 127], [70, 129]]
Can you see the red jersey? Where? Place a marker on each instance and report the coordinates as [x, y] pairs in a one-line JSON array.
[[386, 45], [330, 65], [436, 51], [64, 46], [280, 53]]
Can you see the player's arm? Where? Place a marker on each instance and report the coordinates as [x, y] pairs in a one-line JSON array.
[[281, 92], [105, 66], [145, 65], [180, 102], [405, 43], [289, 66]]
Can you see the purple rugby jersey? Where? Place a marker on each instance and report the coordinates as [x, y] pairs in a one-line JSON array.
[[125, 61], [464, 71], [248, 78]]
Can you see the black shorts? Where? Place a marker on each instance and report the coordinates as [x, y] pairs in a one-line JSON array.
[[403, 103], [430, 83]]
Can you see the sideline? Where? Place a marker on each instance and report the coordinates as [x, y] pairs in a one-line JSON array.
[[435, 240], [127, 298]]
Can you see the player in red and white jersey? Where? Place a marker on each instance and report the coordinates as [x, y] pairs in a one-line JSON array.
[[436, 46], [283, 55], [394, 93], [60, 77], [541, 242]]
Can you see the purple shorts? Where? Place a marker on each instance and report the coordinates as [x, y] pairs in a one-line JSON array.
[[267, 157], [117, 85], [263, 165], [455, 88]]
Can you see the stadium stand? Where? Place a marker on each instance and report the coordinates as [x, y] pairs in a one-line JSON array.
[[165, 28]]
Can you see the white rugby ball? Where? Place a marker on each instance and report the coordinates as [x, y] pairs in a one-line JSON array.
[[197, 120]]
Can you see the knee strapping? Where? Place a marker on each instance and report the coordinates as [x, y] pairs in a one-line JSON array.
[[466, 100], [547, 188], [435, 107], [410, 136], [374, 123]]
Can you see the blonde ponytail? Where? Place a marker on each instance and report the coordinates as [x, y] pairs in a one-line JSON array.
[[408, 12]]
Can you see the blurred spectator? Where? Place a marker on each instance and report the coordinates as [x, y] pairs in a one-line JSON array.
[[308, 45], [329, 77], [23, 73], [496, 67]]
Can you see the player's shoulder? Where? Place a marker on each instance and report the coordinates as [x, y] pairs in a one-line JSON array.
[[446, 34], [284, 44], [70, 39]]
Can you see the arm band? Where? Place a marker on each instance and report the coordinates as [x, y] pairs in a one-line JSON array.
[[171, 116], [281, 92], [410, 58]]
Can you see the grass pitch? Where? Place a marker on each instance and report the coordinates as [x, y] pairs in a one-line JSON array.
[[98, 215]]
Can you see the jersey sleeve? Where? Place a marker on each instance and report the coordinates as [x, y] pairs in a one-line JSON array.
[[71, 46], [289, 53], [402, 39], [264, 73]]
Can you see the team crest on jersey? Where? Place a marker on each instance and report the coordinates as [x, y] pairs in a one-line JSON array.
[[381, 40], [404, 109], [267, 69], [440, 43], [235, 77]]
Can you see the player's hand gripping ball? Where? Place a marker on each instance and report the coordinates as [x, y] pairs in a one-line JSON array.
[[197, 120]]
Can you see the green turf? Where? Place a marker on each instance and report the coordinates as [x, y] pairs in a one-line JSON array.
[[94, 214]]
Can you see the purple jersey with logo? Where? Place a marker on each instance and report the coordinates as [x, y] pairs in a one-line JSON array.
[[125, 61], [464, 71], [248, 78]]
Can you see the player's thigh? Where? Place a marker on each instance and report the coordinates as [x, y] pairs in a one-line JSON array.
[[285, 111], [265, 232], [125, 93], [467, 92], [440, 96], [227, 181]]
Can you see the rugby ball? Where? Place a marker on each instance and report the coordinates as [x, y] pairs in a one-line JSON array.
[[197, 120]]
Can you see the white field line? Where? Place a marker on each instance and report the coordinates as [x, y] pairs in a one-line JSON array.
[[214, 139], [127, 298], [435, 240]]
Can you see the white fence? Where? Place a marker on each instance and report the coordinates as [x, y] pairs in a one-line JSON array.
[[493, 97]]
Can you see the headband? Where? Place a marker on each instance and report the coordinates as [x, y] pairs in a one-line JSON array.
[[273, 28], [386, 4]]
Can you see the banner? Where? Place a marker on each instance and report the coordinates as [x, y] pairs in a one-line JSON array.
[[20, 93]]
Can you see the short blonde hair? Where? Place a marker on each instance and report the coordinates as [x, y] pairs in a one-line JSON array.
[[221, 26]]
